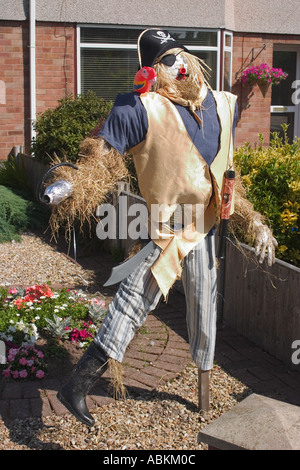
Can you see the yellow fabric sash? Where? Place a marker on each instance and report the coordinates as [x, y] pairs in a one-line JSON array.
[[171, 171]]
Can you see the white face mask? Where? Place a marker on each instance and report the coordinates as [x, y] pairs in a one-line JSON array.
[[179, 69]]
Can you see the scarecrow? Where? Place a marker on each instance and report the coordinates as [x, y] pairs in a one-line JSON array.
[[181, 137]]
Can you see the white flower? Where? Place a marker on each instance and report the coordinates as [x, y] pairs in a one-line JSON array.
[[56, 310]]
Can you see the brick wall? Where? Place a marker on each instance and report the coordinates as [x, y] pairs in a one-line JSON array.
[[55, 76], [55, 64], [13, 56], [254, 109]]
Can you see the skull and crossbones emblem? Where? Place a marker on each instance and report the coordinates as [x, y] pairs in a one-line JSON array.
[[163, 37]]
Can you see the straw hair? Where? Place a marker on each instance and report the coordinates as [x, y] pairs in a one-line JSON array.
[[100, 167], [190, 92]]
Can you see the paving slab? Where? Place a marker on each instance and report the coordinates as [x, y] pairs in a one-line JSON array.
[[256, 423]]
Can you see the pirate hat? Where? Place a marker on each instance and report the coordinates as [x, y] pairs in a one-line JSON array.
[[152, 43]]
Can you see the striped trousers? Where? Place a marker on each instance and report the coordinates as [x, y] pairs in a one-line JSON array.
[[139, 294]]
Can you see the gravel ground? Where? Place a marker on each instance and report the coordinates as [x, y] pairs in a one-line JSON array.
[[33, 261], [165, 419]]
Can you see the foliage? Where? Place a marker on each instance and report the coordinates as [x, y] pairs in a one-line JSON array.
[[58, 326], [27, 314], [38, 303], [97, 311], [271, 176], [18, 212], [61, 130], [13, 173], [263, 73]]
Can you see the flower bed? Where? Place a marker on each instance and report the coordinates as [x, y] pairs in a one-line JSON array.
[[38, 311]]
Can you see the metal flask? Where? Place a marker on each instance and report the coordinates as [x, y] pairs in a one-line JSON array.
[[57, 192]]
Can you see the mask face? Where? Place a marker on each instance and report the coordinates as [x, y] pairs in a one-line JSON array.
[[178, 70]]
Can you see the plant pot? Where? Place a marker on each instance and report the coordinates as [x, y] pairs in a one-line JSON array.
[[264, 87]]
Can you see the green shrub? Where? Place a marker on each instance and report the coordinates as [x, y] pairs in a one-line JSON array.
[[271, 176], [18, 213], [61, 130], [13, 174]]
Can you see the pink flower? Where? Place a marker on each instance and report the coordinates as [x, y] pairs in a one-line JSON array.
[[23, 373], [6, 372], [15, 374], [40, 374], [40, 354], [23, 361], [13, 291]]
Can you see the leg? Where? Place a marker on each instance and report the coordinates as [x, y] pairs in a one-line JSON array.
[[87, 371], [136, 297], [203, 389], [200, 285]]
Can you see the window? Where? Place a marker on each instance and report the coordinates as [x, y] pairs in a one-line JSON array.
[[283, 110], [227, 60], [107, 57]]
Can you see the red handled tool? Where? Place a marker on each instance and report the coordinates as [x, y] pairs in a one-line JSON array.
[[224, 220]]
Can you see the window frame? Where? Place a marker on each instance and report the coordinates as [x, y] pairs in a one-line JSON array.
[[294, 109], [219, 49]]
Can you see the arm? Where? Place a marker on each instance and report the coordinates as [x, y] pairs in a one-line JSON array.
[[100, 167], [101, 164], [251, 223]]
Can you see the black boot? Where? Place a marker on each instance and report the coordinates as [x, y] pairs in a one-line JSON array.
[[85, 374]]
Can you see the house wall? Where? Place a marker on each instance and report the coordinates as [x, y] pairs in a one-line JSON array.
[[262, 16], [190, 13], [13, 58], [55, 76], [254, 108]]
